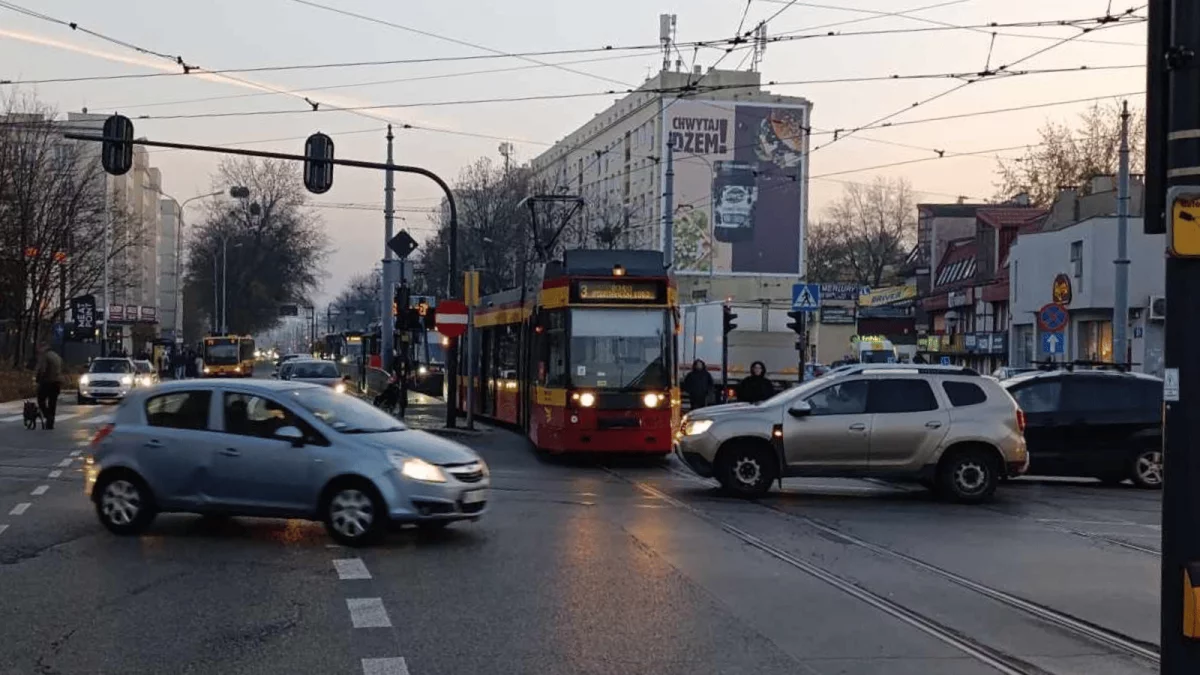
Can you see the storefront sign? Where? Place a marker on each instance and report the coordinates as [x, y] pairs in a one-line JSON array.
[[1061, 292], [935, 343], [149, 314], [842, 291], [837, 315], [960, 298], [887, 296], [116, 312]]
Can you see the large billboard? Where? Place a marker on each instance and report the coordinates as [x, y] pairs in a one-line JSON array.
[[741, 186]]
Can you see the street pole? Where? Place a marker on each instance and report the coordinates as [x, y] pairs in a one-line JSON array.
[[107, 259], [387, 333], [1121, 304], [216, 317], [669, 209], [224, 286], [1181, 426]]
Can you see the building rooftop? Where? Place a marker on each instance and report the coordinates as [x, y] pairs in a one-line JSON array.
[[958, 264]]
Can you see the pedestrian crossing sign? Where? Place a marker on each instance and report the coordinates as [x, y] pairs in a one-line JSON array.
[[806, 297]]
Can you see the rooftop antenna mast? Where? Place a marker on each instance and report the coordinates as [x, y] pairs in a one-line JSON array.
[[760, 46], [666, 36]]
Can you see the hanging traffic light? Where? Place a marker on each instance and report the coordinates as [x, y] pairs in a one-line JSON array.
[[730, 315], [116, 152], [318, 170]]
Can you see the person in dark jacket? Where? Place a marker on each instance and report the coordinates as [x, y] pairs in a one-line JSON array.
[[756, 387], [698, 384]]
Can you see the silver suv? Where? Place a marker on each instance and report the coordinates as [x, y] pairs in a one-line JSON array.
[[946, 427]]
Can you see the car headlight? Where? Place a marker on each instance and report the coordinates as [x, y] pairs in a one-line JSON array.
[[422, 370], [207, 369], [145, 381], [695, 427], [83, 379], [651, 400], [417, 468], [340, 387], [127, 380]]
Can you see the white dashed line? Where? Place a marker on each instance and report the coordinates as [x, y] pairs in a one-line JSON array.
[[12, 418], [24, 506], [391, 666], [65, 417], [76, 453], [368, 613], [40, 490], [351, 568], [54, 474], [65, 462], [3, 528]]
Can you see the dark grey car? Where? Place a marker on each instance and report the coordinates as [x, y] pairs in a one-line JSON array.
[[313, 371]]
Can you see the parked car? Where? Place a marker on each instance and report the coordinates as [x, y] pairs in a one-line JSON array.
[[144, 374], [947, 427], [1095, 423], [1005, 372], [277, 449], [107, 379]]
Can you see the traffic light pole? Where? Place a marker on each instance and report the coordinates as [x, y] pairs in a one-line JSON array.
[[1180, 638], [122, 140]]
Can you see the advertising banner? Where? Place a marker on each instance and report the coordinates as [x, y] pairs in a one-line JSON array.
[[83, 312], [741, 186], [887, 296], [842, 291]]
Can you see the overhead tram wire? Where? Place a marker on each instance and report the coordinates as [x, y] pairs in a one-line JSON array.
[[444, 38], [1107, 21], [723, 43]]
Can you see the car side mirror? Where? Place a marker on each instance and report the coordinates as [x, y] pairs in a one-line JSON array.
[[290, 434], [800, 409]]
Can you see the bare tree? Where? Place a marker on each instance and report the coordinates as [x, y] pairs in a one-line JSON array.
[[873, 226], [274, 245], [357, 306], [827, 255], [58, 225], [1072, 155]]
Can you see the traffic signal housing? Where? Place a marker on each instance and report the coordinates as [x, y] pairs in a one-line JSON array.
[[729, 316], [797, 325], [400, 309], [318, 170], [116, 151]]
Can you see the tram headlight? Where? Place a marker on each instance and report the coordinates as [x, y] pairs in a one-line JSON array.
[[652, 399], [587, 399]]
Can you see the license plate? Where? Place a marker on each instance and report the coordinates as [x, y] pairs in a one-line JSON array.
[[474, 497]]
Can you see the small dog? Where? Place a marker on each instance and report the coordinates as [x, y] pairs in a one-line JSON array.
[[32, 415]]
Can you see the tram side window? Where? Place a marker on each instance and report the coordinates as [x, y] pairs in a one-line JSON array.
[[553, 369], [506, 352]]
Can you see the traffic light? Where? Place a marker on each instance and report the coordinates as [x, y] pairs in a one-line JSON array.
[[400, 309], [318, 170], [797, 325], [116, 152], [730, 315]]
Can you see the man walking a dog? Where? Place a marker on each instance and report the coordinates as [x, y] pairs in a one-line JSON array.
[[48, 376]]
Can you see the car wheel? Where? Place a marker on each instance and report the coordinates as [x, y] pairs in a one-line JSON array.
[[747, 471], [124, 504], [354, 514], [968, 476], [1147, 469]]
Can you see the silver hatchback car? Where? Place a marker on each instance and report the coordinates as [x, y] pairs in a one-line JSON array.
[[277, 449]]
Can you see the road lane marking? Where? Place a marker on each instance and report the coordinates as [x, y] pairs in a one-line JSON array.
[[65, 417], [368, 613], [351, 568], [20, 508], [40, 490], [12, 418], [389, 666], [54, 474], [65, 463], [76, 453], [3, 528]]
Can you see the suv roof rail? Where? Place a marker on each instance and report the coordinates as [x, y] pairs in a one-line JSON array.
[[918, 368], [1070, 366]]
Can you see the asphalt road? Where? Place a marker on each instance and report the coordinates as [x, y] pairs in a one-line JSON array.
[[584, 567]]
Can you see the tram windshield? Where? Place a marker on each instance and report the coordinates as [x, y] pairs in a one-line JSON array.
[[621, 349]]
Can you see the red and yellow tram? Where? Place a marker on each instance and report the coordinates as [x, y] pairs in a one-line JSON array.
[[585, 362]]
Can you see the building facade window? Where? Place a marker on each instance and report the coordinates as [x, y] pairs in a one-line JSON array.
[[1095, 340], [1077, 259]]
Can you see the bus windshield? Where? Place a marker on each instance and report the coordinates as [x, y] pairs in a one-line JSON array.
[[619, 348], [224, 352]]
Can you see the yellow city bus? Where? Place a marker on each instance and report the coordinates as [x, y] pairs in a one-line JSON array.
[[228, 356]]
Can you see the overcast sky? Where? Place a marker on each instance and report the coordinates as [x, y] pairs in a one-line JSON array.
[[219, 34]]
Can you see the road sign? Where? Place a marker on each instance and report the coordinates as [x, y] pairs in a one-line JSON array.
[[945, 360], [806, 297], [1183, 229], [1053, 343], [452, 318], [402, 244], [1052, 317]]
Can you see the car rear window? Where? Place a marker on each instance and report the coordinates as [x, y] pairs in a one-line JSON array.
[[901, 396], [964, 393], [179, 410]]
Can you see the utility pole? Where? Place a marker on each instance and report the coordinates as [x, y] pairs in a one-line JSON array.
[[107, 263], [669, 209], [1174, 40], [387, 334], [1121, 305], [224, 286]]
